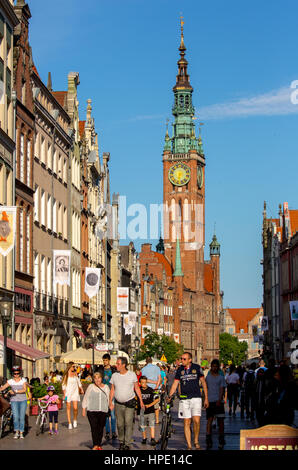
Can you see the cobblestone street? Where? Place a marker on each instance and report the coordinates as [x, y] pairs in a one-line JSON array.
[[80, 438]]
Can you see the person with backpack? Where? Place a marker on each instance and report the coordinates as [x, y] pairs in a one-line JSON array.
[[249, 391], [108, 371], [233, 383]]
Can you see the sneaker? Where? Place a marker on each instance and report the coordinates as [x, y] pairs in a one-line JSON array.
[[75, 424], [126, 448], [21, 435], [70, 426], [153, 442], [16, 435], [144, 441], [114, 436], [99, 448], [56, 432], [107, 436], [51, 433]]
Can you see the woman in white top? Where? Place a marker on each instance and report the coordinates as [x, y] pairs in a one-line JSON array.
[[18, 401], [233, 382], [72, 387], [96, 402]]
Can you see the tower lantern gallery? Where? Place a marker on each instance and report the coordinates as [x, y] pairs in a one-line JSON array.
[[190, 284]]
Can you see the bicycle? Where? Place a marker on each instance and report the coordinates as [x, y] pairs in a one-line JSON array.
[[42, 417], [6, 420], [166, 423]]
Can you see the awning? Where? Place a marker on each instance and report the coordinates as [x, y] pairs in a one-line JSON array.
[[25, 350], [79, 332], [84, 356]]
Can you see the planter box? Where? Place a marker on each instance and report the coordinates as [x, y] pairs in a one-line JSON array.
[[33, 410]]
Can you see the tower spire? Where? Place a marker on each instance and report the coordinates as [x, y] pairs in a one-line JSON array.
[[182, 79]]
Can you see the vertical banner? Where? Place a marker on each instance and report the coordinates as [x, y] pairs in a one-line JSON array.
[[92, 281], [176, 337], [7, 229], [61, 266], [122, 299], [264, 323], [294, 309], [126, 324], [132, 319]]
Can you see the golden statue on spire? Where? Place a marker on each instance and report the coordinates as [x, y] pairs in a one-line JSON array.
[[182, 24]]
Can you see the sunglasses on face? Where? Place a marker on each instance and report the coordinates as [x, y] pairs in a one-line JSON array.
[[183, 358]]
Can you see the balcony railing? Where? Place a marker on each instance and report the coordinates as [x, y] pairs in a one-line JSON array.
[[50, 304]]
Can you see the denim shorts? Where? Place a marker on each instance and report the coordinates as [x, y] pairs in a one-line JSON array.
[[147, 420]]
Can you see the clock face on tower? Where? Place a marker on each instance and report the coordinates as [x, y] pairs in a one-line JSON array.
[[179, 174], [200, 177]]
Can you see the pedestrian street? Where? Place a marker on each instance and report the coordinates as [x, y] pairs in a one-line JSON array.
[[80, 438]]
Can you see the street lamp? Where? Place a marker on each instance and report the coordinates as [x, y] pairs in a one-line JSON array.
[[6, 304]]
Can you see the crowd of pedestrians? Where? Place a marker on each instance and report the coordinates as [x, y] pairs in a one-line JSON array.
[[263, 392]]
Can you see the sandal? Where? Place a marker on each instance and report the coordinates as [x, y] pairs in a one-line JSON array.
[[197, 446]]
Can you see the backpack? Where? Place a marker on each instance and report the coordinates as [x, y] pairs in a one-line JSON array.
[[249, 381]]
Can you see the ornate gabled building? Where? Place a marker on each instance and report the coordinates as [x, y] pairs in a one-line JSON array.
[[195, 283], [25, 124], [280, 279], [53, 141]]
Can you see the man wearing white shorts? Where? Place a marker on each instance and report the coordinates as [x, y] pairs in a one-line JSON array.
[[189, 376]]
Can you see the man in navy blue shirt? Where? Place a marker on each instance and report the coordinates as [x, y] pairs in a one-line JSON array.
[[189, 376]]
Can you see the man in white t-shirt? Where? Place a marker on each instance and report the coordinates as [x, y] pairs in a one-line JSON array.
[[124, 387]]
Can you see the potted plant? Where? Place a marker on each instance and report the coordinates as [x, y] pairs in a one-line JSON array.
[[38, 391]]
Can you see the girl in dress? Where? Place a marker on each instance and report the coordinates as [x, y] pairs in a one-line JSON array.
[[72, 387]]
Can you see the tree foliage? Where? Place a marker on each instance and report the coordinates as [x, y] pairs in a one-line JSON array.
[[155, 346], [231, 349]]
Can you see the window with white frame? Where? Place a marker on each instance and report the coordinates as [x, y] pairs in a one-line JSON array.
[[54, 215], [28, 242], [36, 272], [28, 162], [43, 150], [21, 237], [36, 203], [49, 156], [22, 157], [49, 212], [43, 207]]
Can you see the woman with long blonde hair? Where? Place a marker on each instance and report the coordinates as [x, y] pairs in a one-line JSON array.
[[72, 387]]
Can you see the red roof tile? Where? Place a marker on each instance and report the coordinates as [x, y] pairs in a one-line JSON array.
[[242, 316], [162, 259], [35, 70], [294, 221], [60, 96]]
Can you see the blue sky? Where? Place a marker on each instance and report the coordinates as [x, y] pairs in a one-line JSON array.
[[242, 59]]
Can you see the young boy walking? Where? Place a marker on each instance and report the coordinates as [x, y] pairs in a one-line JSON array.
[[147, 416], [216, 390]]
